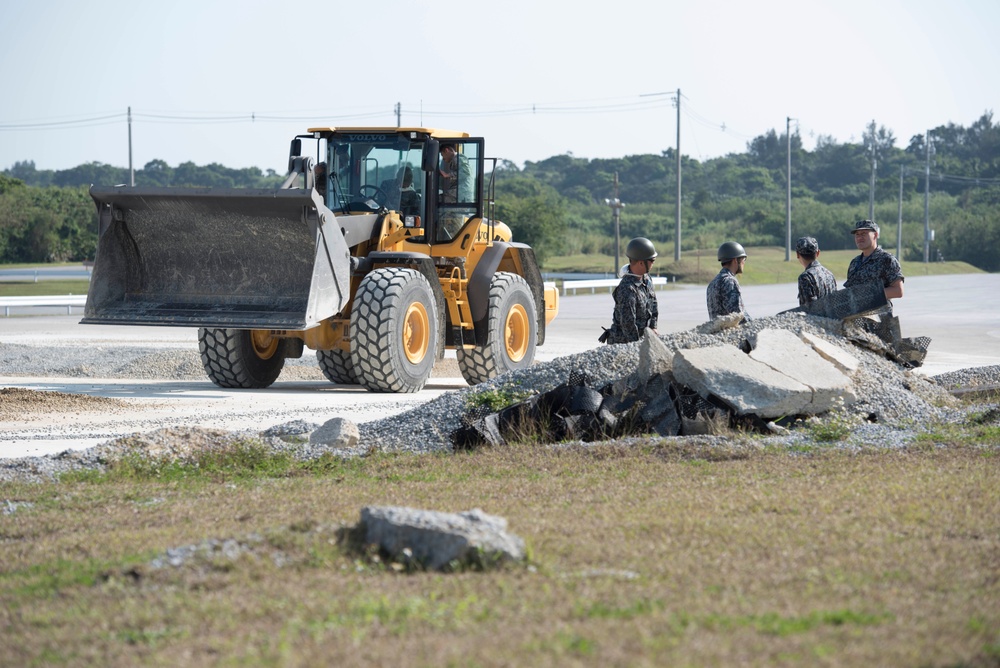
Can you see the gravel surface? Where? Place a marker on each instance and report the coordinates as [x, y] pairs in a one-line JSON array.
[[896, 401]]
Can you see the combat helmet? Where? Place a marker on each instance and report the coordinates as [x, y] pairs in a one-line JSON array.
[[730, 251], [640, 248]]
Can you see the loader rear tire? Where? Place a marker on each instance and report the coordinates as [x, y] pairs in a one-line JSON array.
[[241, 358], [394, 330], [337, 366], [512, 332]]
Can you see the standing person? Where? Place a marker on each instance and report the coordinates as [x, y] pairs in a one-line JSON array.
[[635, 301], [456, 176], [723, 294], [874, 264], [816, 281]]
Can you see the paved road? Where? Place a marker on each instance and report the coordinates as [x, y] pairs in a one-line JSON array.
[[952, 310]]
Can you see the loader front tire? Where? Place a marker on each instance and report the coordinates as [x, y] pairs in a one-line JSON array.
[[337, 366], [511, 332], [241, 358], [394, 330]]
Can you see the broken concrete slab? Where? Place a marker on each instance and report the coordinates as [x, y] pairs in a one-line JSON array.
[[785, 352], [745, 384], [654, 358], [440, 541], [842, 359]]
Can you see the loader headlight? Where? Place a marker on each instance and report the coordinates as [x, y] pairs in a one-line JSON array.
[[411, 221]]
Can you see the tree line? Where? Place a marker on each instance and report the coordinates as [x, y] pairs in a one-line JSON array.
[[557, 205]]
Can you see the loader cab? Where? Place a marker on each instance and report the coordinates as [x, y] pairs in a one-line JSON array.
[[369, 172], [372, 170]]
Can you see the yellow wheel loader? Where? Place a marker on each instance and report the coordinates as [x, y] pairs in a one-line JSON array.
[[379, 253]]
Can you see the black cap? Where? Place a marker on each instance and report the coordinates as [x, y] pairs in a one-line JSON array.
[[807, 246], [865, 225]]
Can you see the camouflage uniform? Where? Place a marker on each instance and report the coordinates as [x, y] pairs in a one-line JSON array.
[[635, 309], [815, 282], [724, 295], [880, 266]]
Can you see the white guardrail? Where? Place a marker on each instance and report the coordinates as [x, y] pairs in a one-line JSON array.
[[592, 285], [69, 301]]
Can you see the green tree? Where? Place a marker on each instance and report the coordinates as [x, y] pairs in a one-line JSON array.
[[534, 212]]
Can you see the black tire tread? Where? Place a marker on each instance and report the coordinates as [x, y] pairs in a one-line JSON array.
[[229, 360], [483, 363]]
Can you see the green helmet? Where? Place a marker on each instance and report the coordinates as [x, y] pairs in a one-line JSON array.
[[640, 248], [730, 251]]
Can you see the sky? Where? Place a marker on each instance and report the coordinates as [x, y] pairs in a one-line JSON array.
[[232, 82]]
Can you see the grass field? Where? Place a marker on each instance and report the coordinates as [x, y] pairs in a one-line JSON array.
[[657, 554], [764, 265], [31, 289]]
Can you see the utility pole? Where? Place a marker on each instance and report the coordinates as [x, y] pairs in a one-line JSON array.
[[131, 172], [871, 190], [399, 111], [899, 223], [616, 206], [788, 189], [872, 141], [677, 229], [927, 199]]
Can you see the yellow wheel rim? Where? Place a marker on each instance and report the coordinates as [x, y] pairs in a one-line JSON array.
[[416, 333], [264, 345], [516, 330]]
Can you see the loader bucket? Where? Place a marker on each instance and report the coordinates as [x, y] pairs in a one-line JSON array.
[[217, 258]]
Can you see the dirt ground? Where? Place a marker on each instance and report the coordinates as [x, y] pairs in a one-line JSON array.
[[19, 404], [22, 404]]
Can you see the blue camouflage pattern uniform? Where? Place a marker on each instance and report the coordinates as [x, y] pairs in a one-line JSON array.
[[815, 282], [724, 296], [880, 266], [635, 309]]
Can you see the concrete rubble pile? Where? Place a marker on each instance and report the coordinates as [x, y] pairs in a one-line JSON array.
[[772, 375]]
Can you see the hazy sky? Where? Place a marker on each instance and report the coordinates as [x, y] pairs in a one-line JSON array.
[[232, 82]]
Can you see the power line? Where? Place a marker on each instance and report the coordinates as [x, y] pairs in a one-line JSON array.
[[618, 105], [953, 178], [81, 122]]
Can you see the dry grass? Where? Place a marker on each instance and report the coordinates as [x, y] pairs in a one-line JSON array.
[[655, 554]]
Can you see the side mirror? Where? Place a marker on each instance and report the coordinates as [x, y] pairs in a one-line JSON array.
[[431, 156], [294, 151]]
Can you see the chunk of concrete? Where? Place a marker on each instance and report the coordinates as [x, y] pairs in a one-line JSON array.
[[842, 359], [750, 387], [336, 433], [439, 540], [720, 323], [654, 358], [785, 352]]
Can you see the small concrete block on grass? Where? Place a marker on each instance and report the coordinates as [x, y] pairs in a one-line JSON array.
[[336, 433], [437, 540]]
